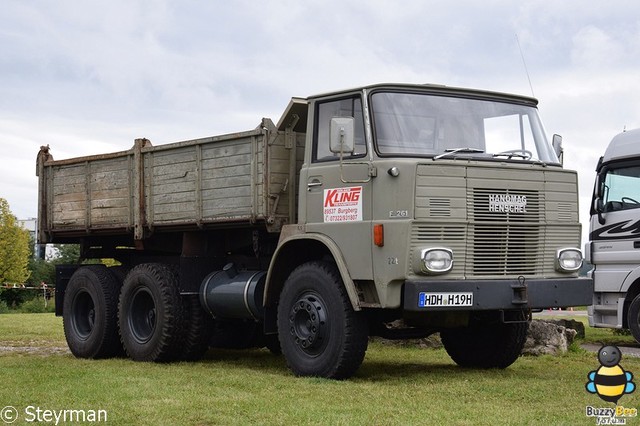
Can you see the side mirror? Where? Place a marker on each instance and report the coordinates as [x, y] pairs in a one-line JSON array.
[[599, 208], [342, 135], [557, 147]]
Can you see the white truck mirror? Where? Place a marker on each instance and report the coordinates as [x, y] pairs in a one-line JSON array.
[[342, 135]]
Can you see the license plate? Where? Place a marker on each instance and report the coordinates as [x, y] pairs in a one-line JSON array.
[[431, 300]]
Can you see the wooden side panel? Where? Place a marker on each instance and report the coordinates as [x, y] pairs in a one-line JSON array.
[[110, 193], [198, 183], [170, 185], [228, 169], [91, 194], [68, 206]]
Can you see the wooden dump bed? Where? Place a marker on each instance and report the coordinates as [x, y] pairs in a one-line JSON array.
[[249, 177]]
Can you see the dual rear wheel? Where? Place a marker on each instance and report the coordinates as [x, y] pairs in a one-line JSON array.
[[145, 316]]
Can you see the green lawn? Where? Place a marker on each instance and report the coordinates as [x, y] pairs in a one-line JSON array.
[[395, 385]]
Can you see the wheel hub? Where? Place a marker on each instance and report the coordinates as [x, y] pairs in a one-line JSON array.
[[92, 318], [308, 323], [83, 315], [142, 318]]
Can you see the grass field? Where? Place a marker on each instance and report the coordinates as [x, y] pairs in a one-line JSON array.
[[395, 385]]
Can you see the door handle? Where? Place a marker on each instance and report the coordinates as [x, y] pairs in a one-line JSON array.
[[313, 184]]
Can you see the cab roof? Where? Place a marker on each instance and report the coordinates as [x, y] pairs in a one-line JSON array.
[[622, 146], [435, 89], [295, 115]]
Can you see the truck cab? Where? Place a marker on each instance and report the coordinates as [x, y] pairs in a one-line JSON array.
[[447, 208], [614, 236]]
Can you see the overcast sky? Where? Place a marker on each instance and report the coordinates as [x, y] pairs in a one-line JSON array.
[[90, 77]]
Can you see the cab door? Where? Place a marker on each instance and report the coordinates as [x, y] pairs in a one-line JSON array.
[[338, 193], [615, 227]]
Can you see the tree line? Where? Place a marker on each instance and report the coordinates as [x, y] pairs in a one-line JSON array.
[[18, 263]]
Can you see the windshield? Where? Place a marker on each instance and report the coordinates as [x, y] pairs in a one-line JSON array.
[[414, 124], [621, 189]]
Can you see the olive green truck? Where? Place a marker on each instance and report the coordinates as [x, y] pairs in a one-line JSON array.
[[388, 210]]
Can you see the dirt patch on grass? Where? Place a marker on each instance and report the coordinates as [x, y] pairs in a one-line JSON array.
[[40, 348]]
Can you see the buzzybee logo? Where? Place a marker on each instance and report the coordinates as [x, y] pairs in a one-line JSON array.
[[610, 382]]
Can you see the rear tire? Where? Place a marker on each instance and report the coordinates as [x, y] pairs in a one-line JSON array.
[[198, 325], [633, 318], [151, 314], [485, 343], [90, 314], [320, 334]]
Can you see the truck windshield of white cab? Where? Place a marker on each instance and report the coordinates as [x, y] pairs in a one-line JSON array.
[[427, 125], [621, 189]]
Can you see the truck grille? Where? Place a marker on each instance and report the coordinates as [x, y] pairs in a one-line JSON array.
[[498, 223], [503, 243]]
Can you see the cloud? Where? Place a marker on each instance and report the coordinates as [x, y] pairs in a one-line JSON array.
[[593, 47]]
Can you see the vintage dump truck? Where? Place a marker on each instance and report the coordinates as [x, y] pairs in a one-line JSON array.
[[392, 210], [614, 237]]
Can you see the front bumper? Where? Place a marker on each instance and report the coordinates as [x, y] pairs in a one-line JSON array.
[[501, 294]]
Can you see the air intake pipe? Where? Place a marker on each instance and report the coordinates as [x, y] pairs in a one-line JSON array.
[[231, 294]]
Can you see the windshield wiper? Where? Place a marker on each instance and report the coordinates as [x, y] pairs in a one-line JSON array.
[[520, 153], [453, 151]]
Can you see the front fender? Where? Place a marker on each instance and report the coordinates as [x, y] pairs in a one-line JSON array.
[[631, 278], [297, 249]]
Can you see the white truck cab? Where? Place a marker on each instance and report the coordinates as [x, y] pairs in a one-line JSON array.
[[614, 239]]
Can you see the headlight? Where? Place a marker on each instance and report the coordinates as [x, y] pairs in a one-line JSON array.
[[436, 260], [568, 260]]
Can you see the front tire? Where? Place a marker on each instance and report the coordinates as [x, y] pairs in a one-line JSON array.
[[90, 314], [320, 334], [486, 342], [151, 314]]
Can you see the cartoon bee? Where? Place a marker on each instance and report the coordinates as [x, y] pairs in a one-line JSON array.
[[610, 381]]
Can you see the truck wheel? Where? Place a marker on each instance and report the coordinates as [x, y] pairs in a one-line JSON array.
[[197, 329], [320, 334], [485, 344], [633, 318], [151, 314], [90, 314]]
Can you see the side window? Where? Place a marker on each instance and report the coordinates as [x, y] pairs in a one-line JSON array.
[[621, 189], [350, 107]]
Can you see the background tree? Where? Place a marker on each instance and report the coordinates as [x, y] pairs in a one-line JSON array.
[[42, 270], [66, 254], [14, 256], [14, 247]]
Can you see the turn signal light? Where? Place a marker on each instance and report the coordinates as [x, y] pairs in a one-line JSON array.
[[378, 235]]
